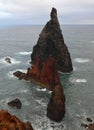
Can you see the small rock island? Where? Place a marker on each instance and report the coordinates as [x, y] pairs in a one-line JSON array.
[[49, 56]]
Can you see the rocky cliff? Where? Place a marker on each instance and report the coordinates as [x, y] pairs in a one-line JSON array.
[[43, 73], [11, 122], [51, 43]]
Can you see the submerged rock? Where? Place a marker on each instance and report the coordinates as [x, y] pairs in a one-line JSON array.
[[15, 103], [51, 42], [11, 122], [89, 119], [8, 60], [56, 105]]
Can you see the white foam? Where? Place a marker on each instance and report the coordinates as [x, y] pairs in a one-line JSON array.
[[13, 61], [41, 89], [92, 41], [25, 52], [10, 74], [74, 68], [81, 80], [73, 80], [25, 102], [23, 90], [41, 102], [81, 60]]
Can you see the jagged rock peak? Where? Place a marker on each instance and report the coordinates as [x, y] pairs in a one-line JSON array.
[[53, 14], [51, 43], [54, 17]]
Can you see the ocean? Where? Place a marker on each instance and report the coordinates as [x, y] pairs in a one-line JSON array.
[[17, 43]]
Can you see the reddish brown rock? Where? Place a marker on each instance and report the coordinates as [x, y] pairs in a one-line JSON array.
[[56, 105], [11, 122], [88, 127], [51, 42], [45, 73], [49, 74]]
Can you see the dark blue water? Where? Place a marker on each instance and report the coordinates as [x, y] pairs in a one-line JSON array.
[[17, 43]]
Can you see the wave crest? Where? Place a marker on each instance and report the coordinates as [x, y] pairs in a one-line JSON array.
[[24, 53], [81, 60], [73, 80]]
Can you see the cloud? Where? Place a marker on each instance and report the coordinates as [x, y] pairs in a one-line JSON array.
[[38, 11]]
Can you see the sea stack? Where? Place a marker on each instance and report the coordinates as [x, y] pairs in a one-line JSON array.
[[56, 105], [51, 43], [49, 56]]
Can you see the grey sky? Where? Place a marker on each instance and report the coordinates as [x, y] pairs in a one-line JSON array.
[[37, 11]]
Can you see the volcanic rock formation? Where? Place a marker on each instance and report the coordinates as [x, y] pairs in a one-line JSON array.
[[56, 105], [51, 43], [50, 54], [11, 122], [43, 73]]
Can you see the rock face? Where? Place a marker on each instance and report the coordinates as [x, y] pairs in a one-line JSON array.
[[42, 73], [15, 103], [56, 105], [51, 43], [11, 122]]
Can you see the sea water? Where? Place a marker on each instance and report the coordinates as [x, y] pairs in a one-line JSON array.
[[17, 44]]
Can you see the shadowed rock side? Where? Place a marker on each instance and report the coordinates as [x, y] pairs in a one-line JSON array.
[[43, 73], [56, 105], [11, 122], [51, 42]]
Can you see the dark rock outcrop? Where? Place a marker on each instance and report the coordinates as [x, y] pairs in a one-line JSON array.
[[8, 60], [56, 105], [11, 122], [15, 103], [51, 42]]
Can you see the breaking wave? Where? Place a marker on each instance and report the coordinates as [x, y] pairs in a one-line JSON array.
[[73, 80], [41, 89], [24, 53], [81, 60]]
